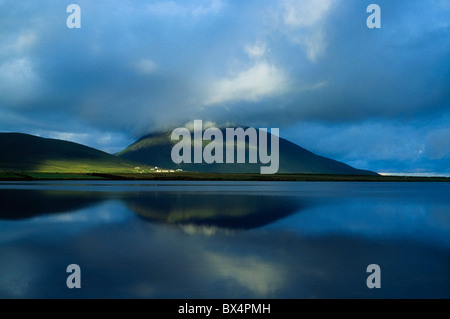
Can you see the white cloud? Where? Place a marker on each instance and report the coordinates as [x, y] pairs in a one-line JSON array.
[[305, 19], [25, 40], [18, 43], [305, 13], [205, 125], [261, 80], [256, 50]]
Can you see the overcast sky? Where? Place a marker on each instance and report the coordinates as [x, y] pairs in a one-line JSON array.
[[376, 99]]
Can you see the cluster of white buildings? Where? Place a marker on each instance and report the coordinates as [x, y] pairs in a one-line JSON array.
[[158, 170]]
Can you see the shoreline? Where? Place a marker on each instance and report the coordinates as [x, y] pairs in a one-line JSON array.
[[189, 176]]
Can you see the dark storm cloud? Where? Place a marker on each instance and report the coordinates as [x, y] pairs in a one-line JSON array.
[[136, 67]]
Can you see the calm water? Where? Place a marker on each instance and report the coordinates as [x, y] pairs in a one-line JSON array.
[[224, 240]]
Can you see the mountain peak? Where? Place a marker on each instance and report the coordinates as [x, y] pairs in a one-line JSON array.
[[155, 149]]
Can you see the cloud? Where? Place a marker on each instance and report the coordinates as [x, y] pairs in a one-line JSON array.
[[134, 68], [256, 50], [259, 81], [19, 43], [305, 13], [205, 125], [305, 21]]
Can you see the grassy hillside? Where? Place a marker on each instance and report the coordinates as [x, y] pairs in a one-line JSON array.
[[155, 149], [27, 153]]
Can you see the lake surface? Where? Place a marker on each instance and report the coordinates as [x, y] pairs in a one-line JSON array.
[[224, 239]]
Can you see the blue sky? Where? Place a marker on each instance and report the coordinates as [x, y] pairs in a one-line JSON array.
[[376, 99]]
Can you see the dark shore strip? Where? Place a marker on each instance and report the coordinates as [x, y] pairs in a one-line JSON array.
[[190, 176]]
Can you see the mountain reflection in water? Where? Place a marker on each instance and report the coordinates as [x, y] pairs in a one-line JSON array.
[[230, 211], [224, 240]]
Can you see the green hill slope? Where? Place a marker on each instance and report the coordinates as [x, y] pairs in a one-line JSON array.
[[155, 149], [27, 153]]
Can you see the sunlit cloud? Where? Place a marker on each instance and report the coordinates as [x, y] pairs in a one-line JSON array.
[[261, 80]]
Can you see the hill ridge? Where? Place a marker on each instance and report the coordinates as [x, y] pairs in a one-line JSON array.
[[22, 152], [156, 148]]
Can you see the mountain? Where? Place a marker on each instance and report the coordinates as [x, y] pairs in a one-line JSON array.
[[27, 153], [155, 149]]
